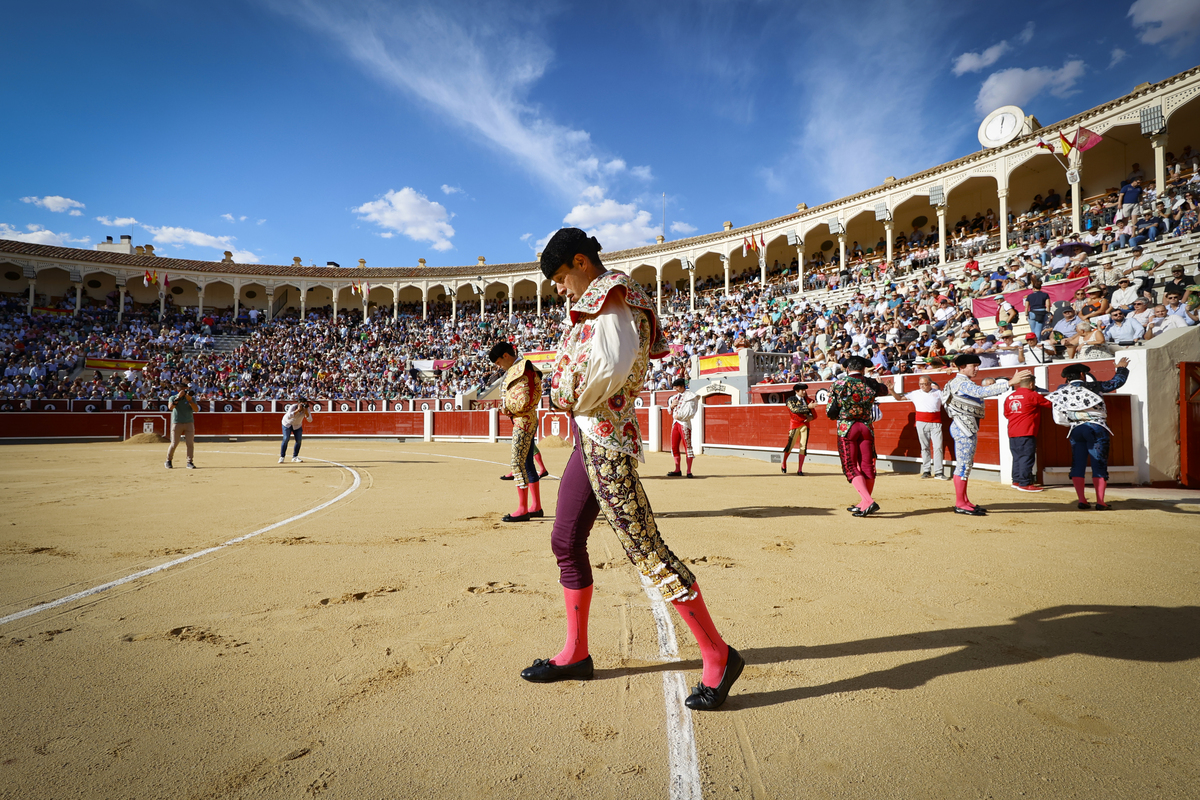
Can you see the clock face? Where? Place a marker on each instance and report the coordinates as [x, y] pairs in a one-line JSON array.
[[1001, 126]]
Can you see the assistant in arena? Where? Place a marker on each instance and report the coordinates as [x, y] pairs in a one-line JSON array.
[[600, 369], [682, 407], [522, 391]]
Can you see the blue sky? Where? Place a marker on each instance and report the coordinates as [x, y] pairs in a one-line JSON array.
[[393, 131]]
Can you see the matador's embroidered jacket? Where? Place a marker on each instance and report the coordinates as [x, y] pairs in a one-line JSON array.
[[602, 361], [522, 393]]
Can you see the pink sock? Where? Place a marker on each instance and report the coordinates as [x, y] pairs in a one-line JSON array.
[[1101, 484], [1079, 489], [785, 458], [960, 493], [579, 603], [800, 465], [535, 496], [860, 485], [713, 650], [522, 501], [537, 460], [689, 463], [677, 463]]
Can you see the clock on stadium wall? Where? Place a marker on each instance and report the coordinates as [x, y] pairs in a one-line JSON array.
[[1002, 126]]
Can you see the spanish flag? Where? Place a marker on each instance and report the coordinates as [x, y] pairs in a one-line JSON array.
[[725, 362]]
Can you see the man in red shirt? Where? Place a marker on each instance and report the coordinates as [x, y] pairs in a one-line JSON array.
[[1023, 410]]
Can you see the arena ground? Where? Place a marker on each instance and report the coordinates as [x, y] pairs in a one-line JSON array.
[[371, 649]]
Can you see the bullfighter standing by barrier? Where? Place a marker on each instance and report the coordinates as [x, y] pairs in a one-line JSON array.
[[682, 406], [1079, 406], [852, 405], [600, 369], [963, 400], [522, 391], [800, 415]]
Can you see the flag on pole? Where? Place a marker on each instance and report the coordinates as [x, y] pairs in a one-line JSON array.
[[753, 243], [1043, 144], [763, 241], [1066, 146], [1085, 140], [149, 278], [745, 247], [166, 281]]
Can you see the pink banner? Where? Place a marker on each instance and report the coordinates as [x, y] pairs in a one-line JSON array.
[[987, 307]]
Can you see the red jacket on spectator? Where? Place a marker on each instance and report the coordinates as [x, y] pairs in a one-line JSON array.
[[1021, 408]]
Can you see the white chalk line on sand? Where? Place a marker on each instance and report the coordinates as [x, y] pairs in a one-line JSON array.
[[104, 587], [684, 763]]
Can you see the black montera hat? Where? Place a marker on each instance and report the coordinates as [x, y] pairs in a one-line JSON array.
[[679, 382], [564, 246], [966, 360]]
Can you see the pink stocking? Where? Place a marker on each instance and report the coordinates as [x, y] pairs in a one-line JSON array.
[[535, 497], [1101, 484], [689, 463], [1079, 489], [960, 493], [541, 465], [713, 650], [579, 603], [860, 485], [522, 501]]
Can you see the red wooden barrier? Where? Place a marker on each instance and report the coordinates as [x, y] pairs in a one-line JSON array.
[[460, 423]]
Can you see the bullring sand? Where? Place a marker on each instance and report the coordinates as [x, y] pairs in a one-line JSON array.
[[372, 649]]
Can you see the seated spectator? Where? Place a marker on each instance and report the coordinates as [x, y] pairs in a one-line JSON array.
[[1069, 324], [1175, 307], [1142, 311], [1053, 201], [1088, 342], [1124, 294], [1148, 229], [1010, 353], [1122, 330], [1096, 305], [1161, 322], [1180, 283]]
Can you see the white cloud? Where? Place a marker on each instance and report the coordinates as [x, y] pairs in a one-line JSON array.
[[1166, 21], [36, 234], [413, 214], [1118, 55], [186, 236], [974, 62], [1018, 86], [641, 173], [616, 165], [56, 204], [119, 222], [448, 189], [232, 218], [616, 225], [261, 221], [479, 74], [683, 227], [1026, 34], [525, 237], [228, 217]]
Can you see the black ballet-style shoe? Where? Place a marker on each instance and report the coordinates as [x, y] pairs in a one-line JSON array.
[[539, 513], [1083, 506], [799, 474], [675, 474], [706, 698], [690, 475], [853, 509], [543, 671], [543, 473], [868, 511], [508, 477], [1103, 507], [515, 518], [971, 512]]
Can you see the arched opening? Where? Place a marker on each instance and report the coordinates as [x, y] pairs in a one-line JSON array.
[[972, 217]]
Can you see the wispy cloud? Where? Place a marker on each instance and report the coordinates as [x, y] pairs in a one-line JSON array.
[[1026, 34], [411, 213], [1172, 22], [119, 222], [1118, 55], [232, 218], [1018, 86], [886, 80], [448, 189], [186, 236], [975, 62], [57, 204], [683, 227], [36, 234], [473, 64]]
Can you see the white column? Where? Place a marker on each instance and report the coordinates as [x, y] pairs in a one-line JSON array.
[[78, 298], [121, 301], [454, 306], [655, 429], [303, 301], [692, 289], [658, 290], [482, 307], [762, 269], [162, 302], [941, 215], [1003, 193], [1159, 143], [726, 276], [425, 302], [493, 424], [427, 420], [199, 303], [336, 291], [889, 227], [237, 296], [29, 305], [510, 302], [395, 302], [539, 298], [800, 267], [841, 251]]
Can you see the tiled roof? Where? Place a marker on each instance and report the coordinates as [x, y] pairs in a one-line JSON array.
[[9, 248]]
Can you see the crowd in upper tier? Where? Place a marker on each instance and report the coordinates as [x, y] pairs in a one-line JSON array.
[[907, 315]]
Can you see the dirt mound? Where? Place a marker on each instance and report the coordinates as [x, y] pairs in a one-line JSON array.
[[147, 438], [551, 442]]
